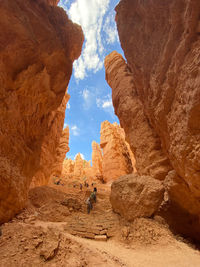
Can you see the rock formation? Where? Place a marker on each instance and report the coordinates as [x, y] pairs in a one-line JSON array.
[[68, 167], [135, 196], [54, 147], [35, 65], [156, 96], [77, 169], [143, 140], [78, 165], [96, 158], [116, 157], [61, 151]]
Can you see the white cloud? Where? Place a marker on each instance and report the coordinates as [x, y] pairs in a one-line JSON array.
[[86, 94], [89, 96], [82, 156], [110, 29], [89, 14], [75, 130], [105, 103], [68, 106], [65, 125]]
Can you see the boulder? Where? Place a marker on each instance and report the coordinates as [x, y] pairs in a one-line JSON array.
[[135, 196]]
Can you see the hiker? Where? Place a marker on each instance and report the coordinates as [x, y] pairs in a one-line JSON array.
[[81, 187], [93, 195], [89, 205], [58, 182], [85, 183]]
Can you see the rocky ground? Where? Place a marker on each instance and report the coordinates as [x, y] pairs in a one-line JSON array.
[[55, 230]]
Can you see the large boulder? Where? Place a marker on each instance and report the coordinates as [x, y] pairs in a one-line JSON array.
[[135, 196]]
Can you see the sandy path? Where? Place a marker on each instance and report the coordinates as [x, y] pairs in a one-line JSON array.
[[174, 255]]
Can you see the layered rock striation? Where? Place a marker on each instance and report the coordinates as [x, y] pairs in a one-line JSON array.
[[35, 67], [156, 96]]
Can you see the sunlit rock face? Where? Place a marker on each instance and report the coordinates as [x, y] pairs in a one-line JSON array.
[[68, 167], [96, 159], [78, 169], [161, 91], [143, 140], [116, 157], [38, 45], [134, 196], [78, 165]]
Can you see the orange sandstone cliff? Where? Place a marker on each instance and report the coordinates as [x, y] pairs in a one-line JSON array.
[[38, 45], [156, 96]]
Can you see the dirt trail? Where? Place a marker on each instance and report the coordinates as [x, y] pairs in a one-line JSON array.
[[40, 235]]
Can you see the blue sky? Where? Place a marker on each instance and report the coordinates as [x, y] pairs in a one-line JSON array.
[[90, 102]]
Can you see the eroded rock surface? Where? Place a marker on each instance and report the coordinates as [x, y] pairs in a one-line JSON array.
[[156, 95], [38, 45], [54, 147], [135, 196], [143, 140], [116, 157], [97, 158]]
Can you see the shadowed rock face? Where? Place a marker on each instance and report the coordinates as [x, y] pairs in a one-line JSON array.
[[161, 43], [38, 45]]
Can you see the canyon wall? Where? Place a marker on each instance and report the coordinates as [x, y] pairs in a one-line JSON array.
[[116, 157], [38, 45], [156, 96]]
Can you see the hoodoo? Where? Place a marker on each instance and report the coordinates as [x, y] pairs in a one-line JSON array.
[[38, 45], [116, 157], [156, 96]]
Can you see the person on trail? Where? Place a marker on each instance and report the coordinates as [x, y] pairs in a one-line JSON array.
[[81, 187], [93, 195], [89, 205]]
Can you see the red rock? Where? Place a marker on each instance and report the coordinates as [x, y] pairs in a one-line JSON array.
[[135, 196], [116, 157], [96, 158], [54, 147], [35, 65], [156, 94]]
